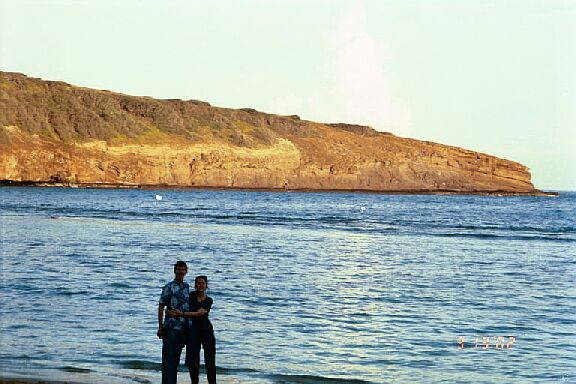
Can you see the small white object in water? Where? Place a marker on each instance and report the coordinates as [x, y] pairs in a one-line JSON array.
[[158, 197], [362, 209]]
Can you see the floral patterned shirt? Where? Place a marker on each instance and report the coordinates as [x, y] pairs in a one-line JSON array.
[[175, 296]]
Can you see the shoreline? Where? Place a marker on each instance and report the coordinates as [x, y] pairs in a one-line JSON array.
[[450, 192], [14, 378], [5, 380]]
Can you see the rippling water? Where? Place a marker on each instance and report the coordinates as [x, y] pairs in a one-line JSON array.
[[307, 287]]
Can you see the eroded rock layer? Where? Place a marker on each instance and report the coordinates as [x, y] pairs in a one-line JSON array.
[[57, 133]]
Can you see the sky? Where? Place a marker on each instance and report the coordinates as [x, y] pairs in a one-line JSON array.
[[493, 76]]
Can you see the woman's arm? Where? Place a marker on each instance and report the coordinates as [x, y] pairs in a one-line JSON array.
[[177, 313], [207, 304], [198, 313]]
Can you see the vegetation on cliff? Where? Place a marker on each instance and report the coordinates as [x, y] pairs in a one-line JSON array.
[[53, 131]]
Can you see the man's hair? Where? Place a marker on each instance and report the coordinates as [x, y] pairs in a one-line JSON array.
[[201, 277], [180, 263]]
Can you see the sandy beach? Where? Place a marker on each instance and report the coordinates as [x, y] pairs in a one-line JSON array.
[[5, 380], [42, 381], [61, 380], [31, 381]]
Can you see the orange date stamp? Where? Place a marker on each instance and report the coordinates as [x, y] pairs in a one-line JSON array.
[[487, 342]]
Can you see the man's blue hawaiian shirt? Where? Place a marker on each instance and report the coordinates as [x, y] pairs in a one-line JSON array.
[[175, 296]]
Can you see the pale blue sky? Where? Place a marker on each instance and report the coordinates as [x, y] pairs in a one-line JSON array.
[[493, 76]]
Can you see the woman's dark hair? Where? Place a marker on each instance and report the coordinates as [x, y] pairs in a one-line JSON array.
[[201, 277], [180, 263]]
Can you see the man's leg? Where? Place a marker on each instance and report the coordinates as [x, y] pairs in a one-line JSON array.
[[172, 344]]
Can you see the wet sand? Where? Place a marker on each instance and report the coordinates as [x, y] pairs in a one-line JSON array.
[[4, 380], [32, 381]]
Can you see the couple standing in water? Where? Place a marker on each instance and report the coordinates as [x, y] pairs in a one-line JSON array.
[[186, 324]]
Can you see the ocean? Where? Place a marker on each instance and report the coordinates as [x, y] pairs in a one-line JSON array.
[[307, 287]]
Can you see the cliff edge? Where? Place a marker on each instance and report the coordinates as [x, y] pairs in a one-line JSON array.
[[56, 133]]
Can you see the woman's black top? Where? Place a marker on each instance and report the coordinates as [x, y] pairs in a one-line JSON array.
[[200, 323]]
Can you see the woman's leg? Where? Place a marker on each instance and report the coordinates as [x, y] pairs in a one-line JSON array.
[[209, 344], [193, 358]]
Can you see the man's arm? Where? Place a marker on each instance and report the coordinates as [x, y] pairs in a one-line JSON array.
[[160, 320]]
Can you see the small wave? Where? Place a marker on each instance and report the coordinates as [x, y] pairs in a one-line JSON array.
[[144, 365], [120, 285], [35, 244], [554, 238], [69, 368], [20, 326], [67, 292], [18, 357], [309, 379], [147, 365], [141, 365], [141, 380], [232, 371], [562, 320], [511, 228]]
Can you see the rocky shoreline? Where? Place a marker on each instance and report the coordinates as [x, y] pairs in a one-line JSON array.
[[50, 184]]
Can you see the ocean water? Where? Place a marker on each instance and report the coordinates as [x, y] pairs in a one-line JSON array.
[[307, 287]]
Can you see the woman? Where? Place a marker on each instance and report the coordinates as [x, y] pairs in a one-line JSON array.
[[201, 332]]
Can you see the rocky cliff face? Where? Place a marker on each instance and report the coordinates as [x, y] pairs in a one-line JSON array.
[[52, 132]]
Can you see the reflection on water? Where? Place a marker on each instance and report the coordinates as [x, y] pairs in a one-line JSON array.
[[374, 288]]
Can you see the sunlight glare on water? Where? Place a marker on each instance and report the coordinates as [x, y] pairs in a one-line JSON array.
[[366, 287]]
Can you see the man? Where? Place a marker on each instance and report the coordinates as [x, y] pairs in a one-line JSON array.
[[172, 330]]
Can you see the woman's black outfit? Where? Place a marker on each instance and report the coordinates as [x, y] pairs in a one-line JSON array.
[[201, 334]]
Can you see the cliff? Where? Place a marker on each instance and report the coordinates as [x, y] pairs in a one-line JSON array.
[[53, 132]]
